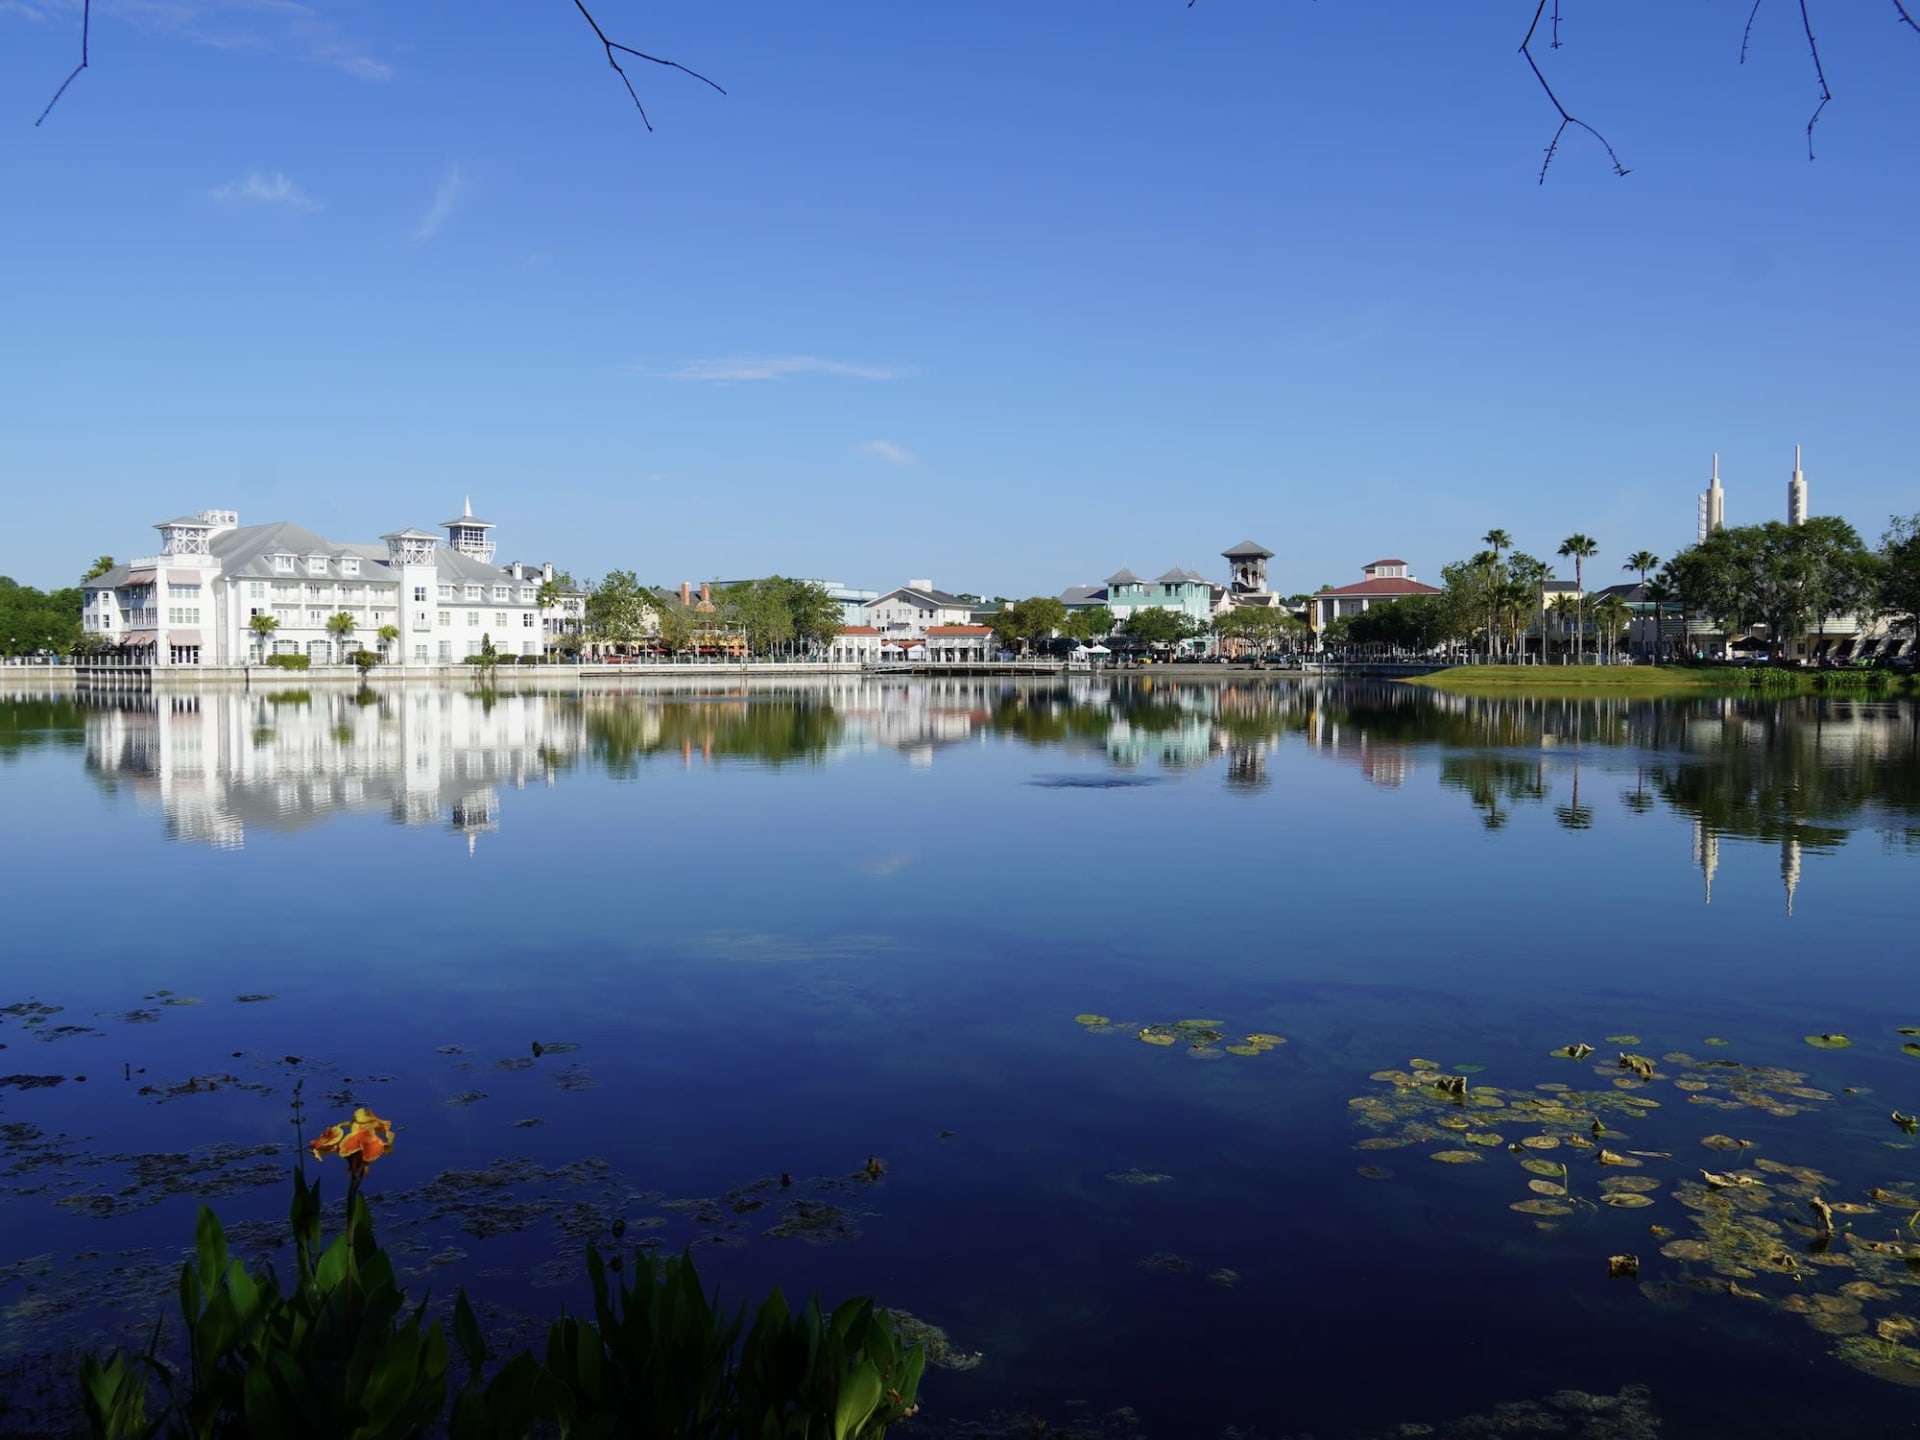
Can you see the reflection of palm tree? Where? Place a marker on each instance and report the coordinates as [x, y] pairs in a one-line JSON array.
[[1575, 816]]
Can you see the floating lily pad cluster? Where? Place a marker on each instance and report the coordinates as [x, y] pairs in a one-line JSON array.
[[1202, 1039], [1764, 1231]]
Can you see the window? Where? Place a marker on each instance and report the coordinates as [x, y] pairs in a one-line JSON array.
[[446, 656], [500, 620], [528, 594], [420, 620], [314, 592], [316, 564], [283, 564], [183, 615], [316, 617], [473, 618], [256, 589], [350, 565], [446, 617], [474, 592], [420, 594], [446, 592], [527, 618], [183, 592], [499, 592]]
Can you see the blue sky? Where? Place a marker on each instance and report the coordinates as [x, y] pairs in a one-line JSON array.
[[1002, 295]]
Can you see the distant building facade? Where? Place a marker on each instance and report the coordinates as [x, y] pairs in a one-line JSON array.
[[1386, 580], [198, 601]]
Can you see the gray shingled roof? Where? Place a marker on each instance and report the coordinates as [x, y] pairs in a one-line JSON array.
[[939, 597], [1177, 576], [1124, 576], [1248, 548], [1084, 595]]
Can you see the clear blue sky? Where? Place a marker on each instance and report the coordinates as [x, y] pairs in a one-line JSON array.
[[1003, 295]]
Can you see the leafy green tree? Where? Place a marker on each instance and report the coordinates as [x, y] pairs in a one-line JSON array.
[[1029, 623], [97, 569], [1156, 628], [1579, 548], [1785, 577], [1899, 588], [758, 611], [619, 609], [1085, 626], [1835, 572], [674, 624]]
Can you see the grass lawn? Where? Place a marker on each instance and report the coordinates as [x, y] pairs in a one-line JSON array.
[[1586, 679]]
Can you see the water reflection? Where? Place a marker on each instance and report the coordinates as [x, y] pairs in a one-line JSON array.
[[1801, 774]]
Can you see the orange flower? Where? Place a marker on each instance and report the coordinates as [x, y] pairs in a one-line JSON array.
[[360, 1141]]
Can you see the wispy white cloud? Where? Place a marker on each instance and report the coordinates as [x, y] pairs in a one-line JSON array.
[[777, 367], [446, 196], [258, 25], [888, 451], [256, 188]]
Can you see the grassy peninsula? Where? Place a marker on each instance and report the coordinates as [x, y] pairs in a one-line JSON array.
[[1585, 679]]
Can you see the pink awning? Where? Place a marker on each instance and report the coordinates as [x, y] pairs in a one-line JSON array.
[[183, 637], [184, 577]]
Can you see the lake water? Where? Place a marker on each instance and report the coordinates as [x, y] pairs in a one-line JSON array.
[[640, 955]]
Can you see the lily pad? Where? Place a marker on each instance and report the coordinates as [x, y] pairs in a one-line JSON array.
[[1266, 1040], [1091, 1019], [1457, 1157], [1828, 1040], [1912, 1047], [1541, 1142], [1715, 1040], [1546, 1187], [1417, 1064], [1626, 1199], [1373, 1172], [1541, 1207], [1540, 1167], [1157, 1034], [1623, 1039], [1468, 1069], [1246, 1049]]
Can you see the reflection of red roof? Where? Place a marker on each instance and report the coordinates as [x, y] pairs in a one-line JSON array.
[[959, 629], [1384, 585], [858, 630]]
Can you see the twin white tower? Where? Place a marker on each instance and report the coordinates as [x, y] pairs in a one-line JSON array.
[[1712, 509]]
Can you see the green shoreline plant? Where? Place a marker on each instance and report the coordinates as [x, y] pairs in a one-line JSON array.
[[342, 1355]]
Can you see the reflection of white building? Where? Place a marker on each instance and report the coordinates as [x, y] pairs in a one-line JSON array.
[[219, 764], [199, 600]]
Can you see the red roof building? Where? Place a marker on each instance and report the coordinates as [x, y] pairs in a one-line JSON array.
[[1386, 580]]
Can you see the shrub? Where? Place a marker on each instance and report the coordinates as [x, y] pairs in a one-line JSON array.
[[365, 660], [342, 1354], [290, 662]]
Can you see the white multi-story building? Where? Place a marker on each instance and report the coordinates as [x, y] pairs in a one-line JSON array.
[[196, 602]]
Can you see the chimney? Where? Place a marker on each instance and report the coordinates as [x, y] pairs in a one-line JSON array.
[[706, 593], [517, 570], [546, 572], [919, 584], [686, 594]]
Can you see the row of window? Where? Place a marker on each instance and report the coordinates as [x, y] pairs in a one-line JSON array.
[[316, 564], [183, 615]]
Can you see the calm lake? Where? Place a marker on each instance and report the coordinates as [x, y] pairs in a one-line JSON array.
[[638, 956]]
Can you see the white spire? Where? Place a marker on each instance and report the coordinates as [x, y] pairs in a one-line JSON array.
[[468, 512], [1797, 493]]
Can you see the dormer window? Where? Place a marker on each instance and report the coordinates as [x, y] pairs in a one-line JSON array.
[[474, 592], [350, 565], [316, 564], [283, 564], [499, 592]]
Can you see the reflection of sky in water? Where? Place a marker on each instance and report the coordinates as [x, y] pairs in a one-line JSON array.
[[839, 921]]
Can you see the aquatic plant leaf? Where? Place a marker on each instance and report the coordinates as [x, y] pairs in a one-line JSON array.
[[1457, 1157], [1541, 1207], [1157, 1034], [1246, 1049], [1685, 1250], [1137, 1177], [1374, 1172], [1623, 1039], [1715, 1040], [1540, 1167], [1546, 1187], [1541, 1142], [1417, 1064], [1626, 1199], [1609, 1157], [1263, 1038], [1623, 1267], [1576, 1051], [1091, 1019], [1199, 1024], [1637, 1184], [1468, 1069], [1828, 1040], [1484, 1137], [1912, 1047]]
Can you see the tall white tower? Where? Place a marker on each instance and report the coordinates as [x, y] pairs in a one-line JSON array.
[[469, 536], [1797, 493], [1713, 504]]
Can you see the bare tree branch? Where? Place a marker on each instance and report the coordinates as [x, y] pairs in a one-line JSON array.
[[1905, 17], [1746, 35], [86, 26], [1819, 73], [620, 70], [1566, 119]]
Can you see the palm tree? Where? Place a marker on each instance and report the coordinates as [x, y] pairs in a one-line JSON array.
[[1563, 606], [340, 626], [1488, 563], [1580, 548], [1610, 613], [263, 626], [1659, 590], [1533, 575], [1643, 561], [388, 634]]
